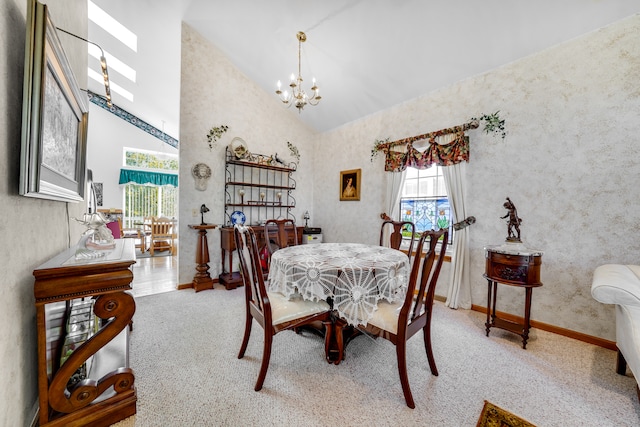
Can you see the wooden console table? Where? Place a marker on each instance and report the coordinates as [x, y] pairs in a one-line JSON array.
[[232, 279], [91, 382], [202, 279], [513, 265]]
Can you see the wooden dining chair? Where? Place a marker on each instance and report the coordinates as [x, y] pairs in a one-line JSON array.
[[272, 310], [395, 230], [162, 235], [278, 234], [397, 322], [133, 233]]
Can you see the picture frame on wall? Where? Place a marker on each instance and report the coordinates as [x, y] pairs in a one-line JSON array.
[[350, 184], [54, 116]]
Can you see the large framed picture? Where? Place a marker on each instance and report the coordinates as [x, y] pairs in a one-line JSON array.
[[54, 116], [350, 185]]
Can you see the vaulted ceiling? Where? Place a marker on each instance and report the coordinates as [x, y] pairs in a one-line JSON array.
[[367, 55]]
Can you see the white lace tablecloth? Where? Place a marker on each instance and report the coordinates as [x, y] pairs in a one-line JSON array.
[[355, 276]]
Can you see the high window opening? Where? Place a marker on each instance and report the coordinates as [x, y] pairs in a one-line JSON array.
[[145, 199]]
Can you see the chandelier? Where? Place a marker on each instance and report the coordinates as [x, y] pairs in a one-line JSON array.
[[298, 96]]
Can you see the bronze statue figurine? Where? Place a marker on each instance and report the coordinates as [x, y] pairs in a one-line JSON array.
[[513, 223]]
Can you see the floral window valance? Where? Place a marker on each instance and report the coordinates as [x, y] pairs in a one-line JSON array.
[[448, 154], [144, 177]]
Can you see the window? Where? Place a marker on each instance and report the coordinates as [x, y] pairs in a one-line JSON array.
[[424, 200], [143, 200]]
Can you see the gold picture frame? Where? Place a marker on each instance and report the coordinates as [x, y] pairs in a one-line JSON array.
[[54, 116], [350, 184]]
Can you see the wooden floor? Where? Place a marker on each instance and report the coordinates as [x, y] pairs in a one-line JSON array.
[[155, 275]]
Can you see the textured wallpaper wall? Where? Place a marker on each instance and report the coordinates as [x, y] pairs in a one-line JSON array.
[[570, 163], [215, 93], [33, 230]]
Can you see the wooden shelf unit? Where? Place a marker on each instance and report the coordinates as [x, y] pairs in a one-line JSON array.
[[108, 394], [255, 177]]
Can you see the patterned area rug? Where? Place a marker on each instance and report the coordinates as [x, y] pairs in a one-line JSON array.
[[493, 416]]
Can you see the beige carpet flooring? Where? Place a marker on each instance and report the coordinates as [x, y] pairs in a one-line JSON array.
[[184, 352]]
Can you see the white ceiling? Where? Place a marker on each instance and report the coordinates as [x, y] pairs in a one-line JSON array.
[[367, 55]]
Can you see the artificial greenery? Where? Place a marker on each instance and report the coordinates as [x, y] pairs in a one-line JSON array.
[[215, 133], [294, 150], [376, 147], [493, 124]]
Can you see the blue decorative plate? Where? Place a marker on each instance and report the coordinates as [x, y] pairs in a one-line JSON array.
[[238, 217]]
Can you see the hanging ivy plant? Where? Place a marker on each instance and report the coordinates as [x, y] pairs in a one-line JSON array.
[[493, 124], [294, 150], [214, 134], [376, 147]]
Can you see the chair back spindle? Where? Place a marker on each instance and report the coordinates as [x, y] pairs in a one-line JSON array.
[[255, 288], [276, 235], [395, 230], [424, 275]]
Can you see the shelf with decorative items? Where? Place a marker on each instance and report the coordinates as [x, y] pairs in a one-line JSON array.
[[257, 188]]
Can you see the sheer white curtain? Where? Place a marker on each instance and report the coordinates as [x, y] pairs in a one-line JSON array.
[[459, 293], [395, 181]]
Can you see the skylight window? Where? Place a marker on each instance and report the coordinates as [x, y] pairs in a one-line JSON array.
[[112, 26]]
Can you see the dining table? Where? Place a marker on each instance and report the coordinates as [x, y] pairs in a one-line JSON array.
[[352, 277]]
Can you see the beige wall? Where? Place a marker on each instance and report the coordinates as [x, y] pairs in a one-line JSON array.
[[214, 93], [32, 230], [570, 163]]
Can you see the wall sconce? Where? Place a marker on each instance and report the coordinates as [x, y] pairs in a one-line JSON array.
[[103, 64]]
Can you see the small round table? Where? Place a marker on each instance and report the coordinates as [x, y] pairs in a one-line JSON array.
[[352, 277], [202, 279], [513, 265]]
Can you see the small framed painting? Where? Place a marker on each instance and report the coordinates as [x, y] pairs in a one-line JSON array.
[[350, 185]]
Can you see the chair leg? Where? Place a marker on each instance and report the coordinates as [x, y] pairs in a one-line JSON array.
[[401, 353], [247, 333], [266, 355], [427, 345]]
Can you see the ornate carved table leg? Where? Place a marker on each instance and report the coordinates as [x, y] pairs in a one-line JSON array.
[[118, 308]]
